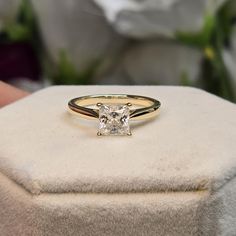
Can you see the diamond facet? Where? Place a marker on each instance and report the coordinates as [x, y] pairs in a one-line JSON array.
[[114, 120]]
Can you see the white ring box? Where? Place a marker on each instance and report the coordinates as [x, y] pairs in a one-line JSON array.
[[174, 176]]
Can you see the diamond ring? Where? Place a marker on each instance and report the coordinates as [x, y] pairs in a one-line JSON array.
[[114, 111]]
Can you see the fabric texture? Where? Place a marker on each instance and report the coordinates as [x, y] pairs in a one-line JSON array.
[[174, 176]]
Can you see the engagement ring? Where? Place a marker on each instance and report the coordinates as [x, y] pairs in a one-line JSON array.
[[114, 111]]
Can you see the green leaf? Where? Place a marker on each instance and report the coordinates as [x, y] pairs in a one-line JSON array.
[[68, 74], [198, 39], [17, 32]]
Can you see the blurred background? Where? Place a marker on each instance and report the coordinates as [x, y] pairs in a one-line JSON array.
[[130, 42]]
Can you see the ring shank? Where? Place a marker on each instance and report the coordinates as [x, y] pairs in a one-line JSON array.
[[149, 106]]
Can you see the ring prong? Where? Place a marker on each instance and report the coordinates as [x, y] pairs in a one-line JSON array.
[[129, 104], [99, 134], [129, 134], [99, 104]]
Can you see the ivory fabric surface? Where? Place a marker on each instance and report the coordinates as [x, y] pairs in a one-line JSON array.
[[174, 176]]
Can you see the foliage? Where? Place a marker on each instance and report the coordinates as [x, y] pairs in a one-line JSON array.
[[67, 73], [212, 39], [24, 28]]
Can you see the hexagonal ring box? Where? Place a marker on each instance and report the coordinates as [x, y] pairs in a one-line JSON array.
[[174, 176]]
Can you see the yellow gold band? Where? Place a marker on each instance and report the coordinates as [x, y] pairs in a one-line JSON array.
[[146, 107]]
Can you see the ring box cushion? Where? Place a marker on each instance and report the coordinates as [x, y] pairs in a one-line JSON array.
[[174, 176]]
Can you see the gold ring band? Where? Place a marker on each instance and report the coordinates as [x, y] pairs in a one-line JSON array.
[[149, 109], [109, 107]]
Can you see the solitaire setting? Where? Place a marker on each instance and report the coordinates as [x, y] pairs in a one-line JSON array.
[[114, 111], [114, 119]]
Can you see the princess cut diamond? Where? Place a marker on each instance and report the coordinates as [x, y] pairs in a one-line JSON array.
[[114, 120]]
